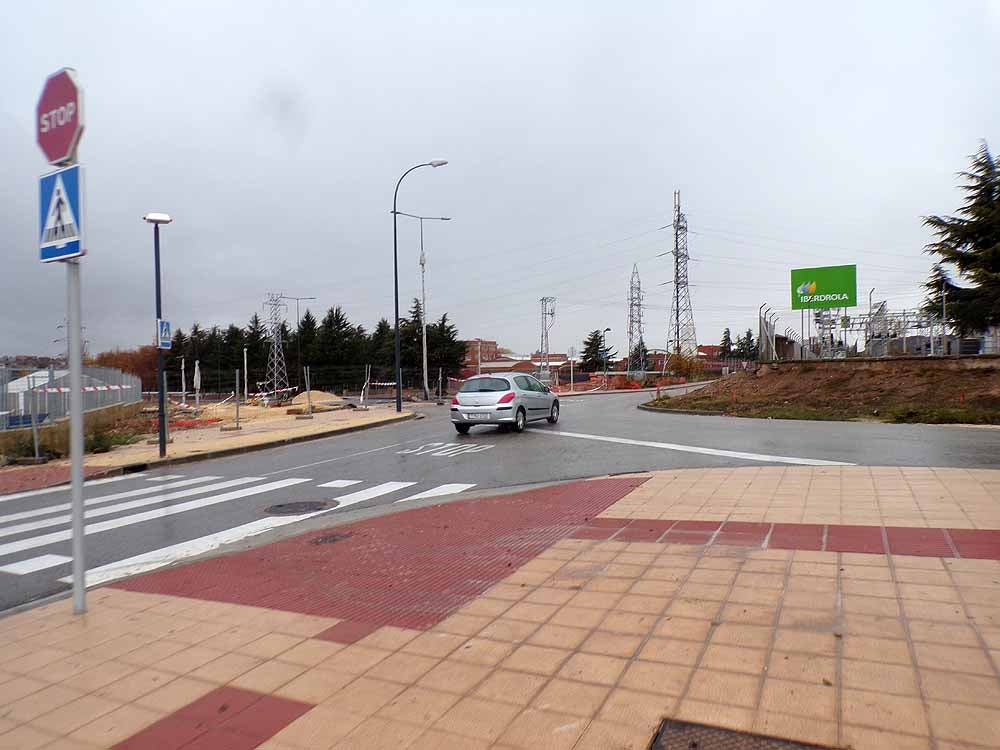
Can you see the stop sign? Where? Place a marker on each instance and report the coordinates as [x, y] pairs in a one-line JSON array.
[[59, 116]]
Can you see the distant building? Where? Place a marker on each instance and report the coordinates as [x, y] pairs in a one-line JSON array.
[[473, 348]]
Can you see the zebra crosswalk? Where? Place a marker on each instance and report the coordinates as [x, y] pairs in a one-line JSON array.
[[139, 522]]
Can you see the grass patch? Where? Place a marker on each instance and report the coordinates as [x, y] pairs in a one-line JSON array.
[[911, 414], [102, 442]]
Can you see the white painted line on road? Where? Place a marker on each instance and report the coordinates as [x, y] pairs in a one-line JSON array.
[[341, 483], [439, 491], [165, 478], [95, 528], [21, 528], [372, 492], [65, 487], [34, 564], [336, 458], [695, 449], [62, 507]]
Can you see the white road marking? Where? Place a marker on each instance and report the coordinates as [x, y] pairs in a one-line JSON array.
[[33, 564], [115, 523], [372, 492], [165, 478], [695, 449], [445, 449], [21, 528], [341, 483], [62, 507], [439, 491], [66, 487]]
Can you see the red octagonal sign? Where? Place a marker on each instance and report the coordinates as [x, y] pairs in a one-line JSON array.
[[59, 117]]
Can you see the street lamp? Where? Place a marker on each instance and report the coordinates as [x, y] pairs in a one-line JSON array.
[[423, 290], [161, 409], [298, 339], [395, 277], [604, 348]]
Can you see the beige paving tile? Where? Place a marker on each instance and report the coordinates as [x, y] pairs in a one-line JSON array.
[[603, 670], [635, 708], [533, 728], [717, 715], [381, 733], [454, 676], [964, 723], [952, 658], [799, 699], [652, 677], [558, 636], [117, 725], [268, 677], [188, 659], [225, 668], [418, 705], [270, 645], [136, 685], [354, 659], [24, 737], [868, 737], [478, 718], [432, 643], [531, 612], [435, 739], [895, 713], [175, 694], [402, 667], [800, 728], [510, 687], [319, 728], [724, 687], [467, 625], [571, 697], [670, 651], [536, 659], [601, 735], [364, 696], [611, 644], [581, 617], [954, 687], [628, 622], [314, 686], [75, 714], [19, 687], [501, 629], [734, 659], [811, 668], [389, 638]]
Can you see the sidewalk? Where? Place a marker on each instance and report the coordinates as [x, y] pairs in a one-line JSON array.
[[206, 442], [842, 606]]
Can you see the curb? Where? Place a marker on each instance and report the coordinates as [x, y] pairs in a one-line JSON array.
[[696, 412], [114, 471]]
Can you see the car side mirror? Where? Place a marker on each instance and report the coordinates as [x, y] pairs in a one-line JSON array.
[[548, 390]]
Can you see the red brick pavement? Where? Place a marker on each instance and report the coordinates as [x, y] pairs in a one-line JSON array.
[[408, 569], [22, 478]]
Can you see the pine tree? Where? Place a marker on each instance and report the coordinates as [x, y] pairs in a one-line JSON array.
[[306, 336], [593, 358], [970, 245], [444, 349], [257, 347], [380, 345], [726, 345]]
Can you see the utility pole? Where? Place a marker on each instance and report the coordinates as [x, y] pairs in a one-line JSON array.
[[681, 331], [298, 339], [636, 357], [548, 318], [277, 374]]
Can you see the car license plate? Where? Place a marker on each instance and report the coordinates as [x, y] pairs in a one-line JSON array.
[[478, 415]]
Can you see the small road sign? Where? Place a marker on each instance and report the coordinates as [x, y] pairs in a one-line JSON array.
[[60, 213], [59, 117], [164, 337]]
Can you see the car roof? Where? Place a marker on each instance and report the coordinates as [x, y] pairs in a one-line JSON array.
[[500, 375]]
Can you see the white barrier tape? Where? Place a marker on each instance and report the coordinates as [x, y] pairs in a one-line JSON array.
[[85, 389]]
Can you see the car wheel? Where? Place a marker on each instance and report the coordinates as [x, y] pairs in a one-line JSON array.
[[463, 429], [519, 420], [554, 414]]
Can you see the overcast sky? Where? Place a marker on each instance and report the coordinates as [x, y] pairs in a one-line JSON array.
[[274, 134]]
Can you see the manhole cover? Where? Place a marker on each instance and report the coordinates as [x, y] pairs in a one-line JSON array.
[[680, 735], [298, 508], [329, 538]]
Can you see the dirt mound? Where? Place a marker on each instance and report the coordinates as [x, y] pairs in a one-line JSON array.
[[318, 397], [900, 390]]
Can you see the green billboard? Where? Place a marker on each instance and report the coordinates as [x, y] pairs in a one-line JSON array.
[[829, 286]]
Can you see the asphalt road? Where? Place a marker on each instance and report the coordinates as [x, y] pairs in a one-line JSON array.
[[144, 521]]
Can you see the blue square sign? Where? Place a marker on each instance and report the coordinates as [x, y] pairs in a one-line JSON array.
[[60, 214], [164, 337]]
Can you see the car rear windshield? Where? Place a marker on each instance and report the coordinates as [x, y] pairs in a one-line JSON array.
[[484, 385]]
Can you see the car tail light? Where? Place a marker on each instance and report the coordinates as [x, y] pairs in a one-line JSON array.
[[454, 400], [506, 398]]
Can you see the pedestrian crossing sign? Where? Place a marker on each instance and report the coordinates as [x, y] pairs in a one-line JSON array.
[[163, 336], [60, 211]]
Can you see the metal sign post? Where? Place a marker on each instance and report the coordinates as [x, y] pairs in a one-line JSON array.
[[59, 125]]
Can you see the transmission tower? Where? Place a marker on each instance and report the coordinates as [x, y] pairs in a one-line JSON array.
[[636, 356], [680, 331], [276, 381], [548, 318]]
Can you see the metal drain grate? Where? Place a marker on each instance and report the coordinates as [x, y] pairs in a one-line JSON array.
[[298, 508], [680, 735]]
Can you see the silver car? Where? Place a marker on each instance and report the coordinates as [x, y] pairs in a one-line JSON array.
[[508, 399]]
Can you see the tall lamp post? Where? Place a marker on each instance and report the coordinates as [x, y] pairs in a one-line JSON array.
[[161, 402], [298, 338], [604, 350], [395, 277], [423, 289]]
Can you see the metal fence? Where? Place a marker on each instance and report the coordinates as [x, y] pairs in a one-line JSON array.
[[42, 395]]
